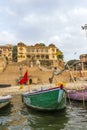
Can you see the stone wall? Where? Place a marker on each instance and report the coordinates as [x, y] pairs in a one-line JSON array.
[[3, 63]]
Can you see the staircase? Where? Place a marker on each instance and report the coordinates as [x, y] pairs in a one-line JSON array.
[[10, 74]]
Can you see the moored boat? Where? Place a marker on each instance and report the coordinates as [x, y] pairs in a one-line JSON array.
[[78, 95], [48, 99], [5, 85], [5, 100]]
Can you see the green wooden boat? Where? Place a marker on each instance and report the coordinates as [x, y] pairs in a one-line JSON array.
[[5, 100], [49, 99]]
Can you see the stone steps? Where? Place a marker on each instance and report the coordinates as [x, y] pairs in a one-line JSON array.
[[11, 74]]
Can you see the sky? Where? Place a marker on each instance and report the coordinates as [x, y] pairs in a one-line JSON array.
[[45, 21]]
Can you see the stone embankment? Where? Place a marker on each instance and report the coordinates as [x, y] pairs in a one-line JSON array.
[[12, 73]]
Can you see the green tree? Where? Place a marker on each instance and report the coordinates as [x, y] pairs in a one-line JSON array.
[[71, 62], [14, 53], [59, 54], [42, 44]]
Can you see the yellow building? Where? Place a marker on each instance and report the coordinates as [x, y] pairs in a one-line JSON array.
[[83, 60], [6, 51], [37, 54]]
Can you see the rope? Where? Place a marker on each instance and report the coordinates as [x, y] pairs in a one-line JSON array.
[[70, 102], [72, 76], [83, 98]]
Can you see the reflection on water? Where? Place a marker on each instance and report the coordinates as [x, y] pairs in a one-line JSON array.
[[6, 110], [47, 121], [18, 117]]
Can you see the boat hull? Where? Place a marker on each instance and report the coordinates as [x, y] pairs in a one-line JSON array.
[[4, 103], [4, 100], [77, 95], [51, 99]]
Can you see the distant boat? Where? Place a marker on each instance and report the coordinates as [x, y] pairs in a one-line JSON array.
[[78, 95], [48, 99], [5, 85], [5, 100]]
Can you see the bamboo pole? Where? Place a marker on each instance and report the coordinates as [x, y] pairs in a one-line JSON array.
[[75, 85], [71, 76]]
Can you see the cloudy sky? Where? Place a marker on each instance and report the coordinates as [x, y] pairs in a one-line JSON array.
[[45, 21]]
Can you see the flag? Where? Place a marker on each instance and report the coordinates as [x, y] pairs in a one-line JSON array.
[[24, 79]]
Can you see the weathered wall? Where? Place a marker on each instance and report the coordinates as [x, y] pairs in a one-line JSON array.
[[2, 63]]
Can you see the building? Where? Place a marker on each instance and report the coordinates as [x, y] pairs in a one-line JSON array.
[[37, 54], [6, 51], [80, 66], [83, 59]]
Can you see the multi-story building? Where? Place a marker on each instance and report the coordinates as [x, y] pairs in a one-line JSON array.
[[83, 57], [80, 66], [6, 51], [83, 60], [45, 55]]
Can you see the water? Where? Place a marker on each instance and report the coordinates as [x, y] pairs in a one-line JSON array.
[[18, 117]]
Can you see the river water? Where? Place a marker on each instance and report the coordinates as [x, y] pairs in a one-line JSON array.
[[18, 117]]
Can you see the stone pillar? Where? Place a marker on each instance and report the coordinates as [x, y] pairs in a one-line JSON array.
[[82, 66]]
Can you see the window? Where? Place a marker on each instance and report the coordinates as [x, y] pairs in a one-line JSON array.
[[42, 56], [38, 56], [53, 49], [47, 57], [32, 50], [28, 56], [53, 56], [20, 48], [37, 50], [46, 50]]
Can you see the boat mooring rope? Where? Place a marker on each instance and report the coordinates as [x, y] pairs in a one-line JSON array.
[[70, 102]]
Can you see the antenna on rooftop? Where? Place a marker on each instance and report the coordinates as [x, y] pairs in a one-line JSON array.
[[85, 28]]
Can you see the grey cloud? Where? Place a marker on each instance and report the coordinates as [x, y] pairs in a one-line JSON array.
[[57, 21]]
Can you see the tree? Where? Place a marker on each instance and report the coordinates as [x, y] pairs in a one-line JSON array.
[[59, 54], [42, 44], [14, 53], [71, 62]]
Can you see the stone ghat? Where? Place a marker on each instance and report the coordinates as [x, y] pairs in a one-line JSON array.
[[78, 85], [23, 88]]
